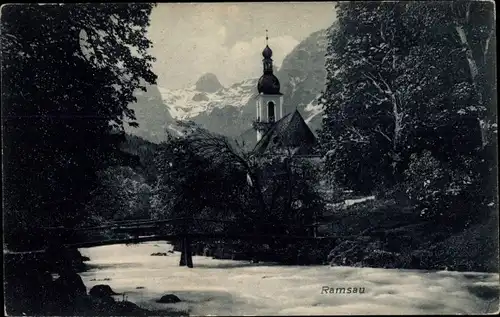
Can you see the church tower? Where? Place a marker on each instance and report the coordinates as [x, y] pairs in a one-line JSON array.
[[270, 100]]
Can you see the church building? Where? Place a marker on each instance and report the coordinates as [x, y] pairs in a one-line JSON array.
[[277, 131]]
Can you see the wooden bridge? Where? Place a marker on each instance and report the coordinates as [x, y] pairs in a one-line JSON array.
[[176, 230]]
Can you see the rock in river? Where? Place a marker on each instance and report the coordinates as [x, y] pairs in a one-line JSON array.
[[102, 290], [168, 299], [159, 254]]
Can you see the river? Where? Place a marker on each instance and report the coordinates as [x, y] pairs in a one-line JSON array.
[[226, 287]]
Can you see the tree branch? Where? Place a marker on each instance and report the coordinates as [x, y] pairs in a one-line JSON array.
[[453, 50], [487, 43], [386, 56], [218, 149], [389, 90], [393, 56], [467, 11], [379, 100], [383, 134], [374, 82], [362, 139], [382, 32], [470, 59]]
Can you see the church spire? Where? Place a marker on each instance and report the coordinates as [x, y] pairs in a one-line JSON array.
[[267, 53], [268, 83], [270, 100]]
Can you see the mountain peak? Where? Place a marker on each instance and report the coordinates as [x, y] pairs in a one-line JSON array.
[[208, 82], [231, 110]]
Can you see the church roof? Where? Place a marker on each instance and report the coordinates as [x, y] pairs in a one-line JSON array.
[[247, 139], [291, 132]]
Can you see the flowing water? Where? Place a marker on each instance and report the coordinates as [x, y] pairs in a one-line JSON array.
[[226, 287]]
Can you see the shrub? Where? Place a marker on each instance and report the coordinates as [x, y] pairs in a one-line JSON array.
[[444, 192]]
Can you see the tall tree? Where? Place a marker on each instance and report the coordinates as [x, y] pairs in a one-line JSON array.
[[194, 182], [389, 66], [203, 173], [471, 24], [69, 73]]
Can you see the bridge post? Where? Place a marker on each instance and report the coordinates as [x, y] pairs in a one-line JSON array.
[[182, 261], [186, 252]]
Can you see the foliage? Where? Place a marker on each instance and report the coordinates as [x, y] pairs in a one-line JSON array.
[[125, 192], [409, 105], [449, 195], [207, 176], [389, 234], [145, 151], [473, 249], [400, 80], [122, 194], [67, 84]]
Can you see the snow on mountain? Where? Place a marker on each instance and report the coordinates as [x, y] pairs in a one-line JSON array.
[[228, 110], [231, 110], [313, 109], [190, 102]]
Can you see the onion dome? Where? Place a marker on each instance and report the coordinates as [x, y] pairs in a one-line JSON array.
[[269, 85], [267, 52]]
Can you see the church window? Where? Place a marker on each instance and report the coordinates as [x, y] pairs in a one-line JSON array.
[[270, 111]]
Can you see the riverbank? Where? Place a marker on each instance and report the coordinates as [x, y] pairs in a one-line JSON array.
[[386, 233], [47, 283]]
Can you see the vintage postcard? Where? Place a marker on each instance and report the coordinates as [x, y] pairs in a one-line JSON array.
[[237, 159]]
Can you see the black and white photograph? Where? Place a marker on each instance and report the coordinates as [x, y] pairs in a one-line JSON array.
[[250, 158]]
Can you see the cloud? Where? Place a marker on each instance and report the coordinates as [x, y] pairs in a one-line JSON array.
[[247, 56], [203, 54], [226, 39], [243, 60]]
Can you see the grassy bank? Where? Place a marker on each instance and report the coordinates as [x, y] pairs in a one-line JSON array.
[[392, 235]]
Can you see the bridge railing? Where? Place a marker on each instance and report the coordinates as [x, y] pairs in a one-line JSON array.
[[181, 221], [184, 230]]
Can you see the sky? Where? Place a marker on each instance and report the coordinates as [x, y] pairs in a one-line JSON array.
[[227, 39]]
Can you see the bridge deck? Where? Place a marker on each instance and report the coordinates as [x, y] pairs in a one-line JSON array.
[[147, 230], [198, 236]]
